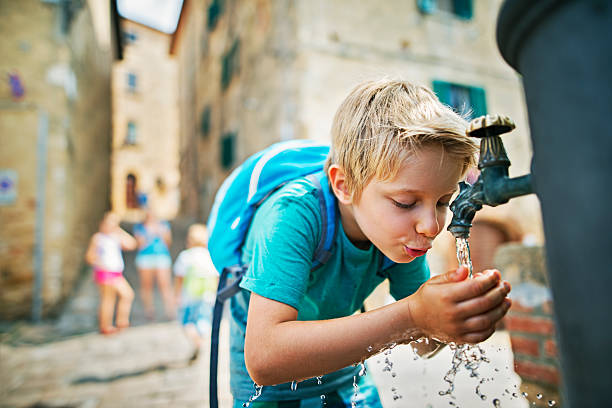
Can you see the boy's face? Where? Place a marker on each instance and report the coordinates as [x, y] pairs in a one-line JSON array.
[[403, 215]]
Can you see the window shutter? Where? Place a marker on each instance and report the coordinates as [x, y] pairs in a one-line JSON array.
[[227, 150], [443, 90], [479, 101], [426, 6], [464, 9]]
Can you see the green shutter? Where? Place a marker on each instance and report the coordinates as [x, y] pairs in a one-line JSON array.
[[426, 6], [227, 150], [205, 122], [214, 13], [443, 90], [479, 101], [464, 8]]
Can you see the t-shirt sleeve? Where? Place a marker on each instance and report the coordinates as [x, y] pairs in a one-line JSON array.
[[405, 279], [179, 265], [280, 247]]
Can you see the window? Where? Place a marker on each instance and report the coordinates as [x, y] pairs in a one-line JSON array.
[[461, 8], [205, 122], [131, 199], [230, 64], [464, 99], [228, 142], [130, 37], [131, 136], [132, 82], [214, 13]]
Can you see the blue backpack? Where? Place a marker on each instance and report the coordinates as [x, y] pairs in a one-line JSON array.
[[247, 187], [250, 184]]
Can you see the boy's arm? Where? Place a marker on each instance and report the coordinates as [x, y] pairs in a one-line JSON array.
[[278, 348]]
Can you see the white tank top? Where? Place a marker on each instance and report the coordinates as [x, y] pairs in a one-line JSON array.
[[109, 253]]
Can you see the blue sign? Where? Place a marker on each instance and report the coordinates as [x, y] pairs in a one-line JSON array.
[[8, 186]]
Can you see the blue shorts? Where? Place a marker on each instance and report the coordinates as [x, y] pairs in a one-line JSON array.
[[367, 397], [198, 313], [153, 261]]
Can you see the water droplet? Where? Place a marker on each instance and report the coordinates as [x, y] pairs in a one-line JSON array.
[[246, 404], [370, 348], [552, 403], [539, 396], [483, 397], [525, 394], [293, 385], [362, 370], [319, 380], [515, 395], [393, 389], [496, 403], [393, 374]]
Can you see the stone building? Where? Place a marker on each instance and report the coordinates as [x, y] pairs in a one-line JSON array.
[[267, 70], [145, 124], [55, 132]]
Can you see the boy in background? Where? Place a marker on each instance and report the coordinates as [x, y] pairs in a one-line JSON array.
[[195, 286]]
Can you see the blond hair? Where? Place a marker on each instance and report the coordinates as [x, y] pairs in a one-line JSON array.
[[381, 123], [197, 235]]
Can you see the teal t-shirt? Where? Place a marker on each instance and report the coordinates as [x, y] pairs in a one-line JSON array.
[[279, 250]]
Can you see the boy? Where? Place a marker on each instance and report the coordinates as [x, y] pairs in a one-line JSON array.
[[195, 284], [396, 158]]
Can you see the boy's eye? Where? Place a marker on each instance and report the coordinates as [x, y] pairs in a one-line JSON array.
[[403, 205]]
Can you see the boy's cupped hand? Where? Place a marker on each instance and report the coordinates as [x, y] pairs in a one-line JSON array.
[[451, 307]]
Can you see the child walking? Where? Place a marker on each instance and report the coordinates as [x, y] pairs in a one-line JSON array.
[[195, 286], [104, 255], [153, 262], [397, 155]]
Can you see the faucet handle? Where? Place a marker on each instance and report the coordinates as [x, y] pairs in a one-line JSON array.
[[490, 125]]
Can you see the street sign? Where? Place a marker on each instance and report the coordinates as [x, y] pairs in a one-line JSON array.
[[8, 186]]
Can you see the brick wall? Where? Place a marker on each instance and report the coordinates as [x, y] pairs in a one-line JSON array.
[[530, 322]]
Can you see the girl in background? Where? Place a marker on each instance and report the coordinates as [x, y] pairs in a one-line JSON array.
[[104, 255], [153, 261]]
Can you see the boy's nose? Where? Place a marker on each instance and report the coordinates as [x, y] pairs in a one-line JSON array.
[[428, 224]]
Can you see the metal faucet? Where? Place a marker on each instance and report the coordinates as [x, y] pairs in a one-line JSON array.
[[493, 186]]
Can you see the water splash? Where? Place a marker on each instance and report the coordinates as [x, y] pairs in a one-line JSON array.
[[356, 392], [496, 403], [470, 356], [258, 389], [294, 385], [319, 380], [552, 403]]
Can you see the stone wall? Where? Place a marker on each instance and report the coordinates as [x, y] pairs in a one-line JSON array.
[[56, 139], [295, 61]]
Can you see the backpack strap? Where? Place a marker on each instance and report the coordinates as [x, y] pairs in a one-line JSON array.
[[329, 219]]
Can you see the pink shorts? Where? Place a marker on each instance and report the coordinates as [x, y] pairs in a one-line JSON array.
[[103, 277]]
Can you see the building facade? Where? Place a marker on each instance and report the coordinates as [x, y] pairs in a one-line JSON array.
[[55, 132], [145, 166], [275, 70]]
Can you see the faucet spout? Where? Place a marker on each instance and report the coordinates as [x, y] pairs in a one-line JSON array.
[[493, 187]]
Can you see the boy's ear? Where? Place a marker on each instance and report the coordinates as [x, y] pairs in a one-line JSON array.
[[337, 180]]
